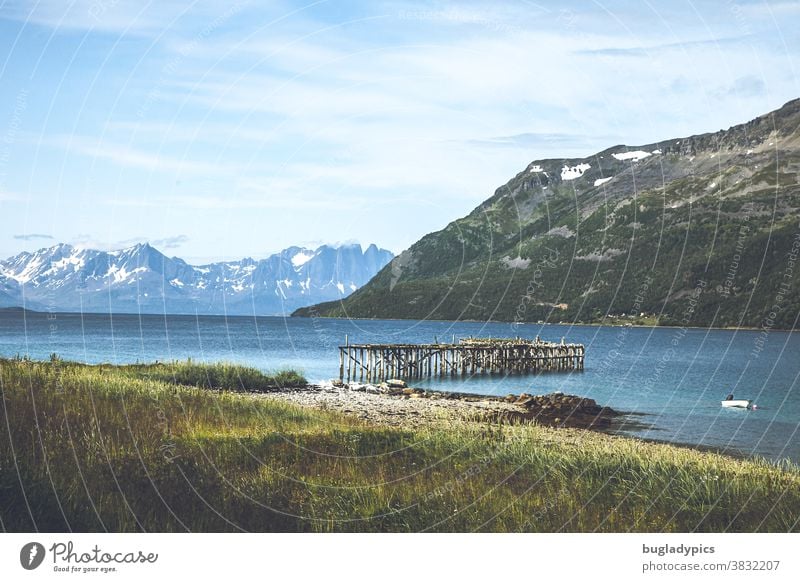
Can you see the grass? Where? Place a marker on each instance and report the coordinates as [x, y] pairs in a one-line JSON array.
[[217, 376], [96, 448]]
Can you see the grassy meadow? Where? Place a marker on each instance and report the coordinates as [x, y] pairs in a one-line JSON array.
[[177, 447]]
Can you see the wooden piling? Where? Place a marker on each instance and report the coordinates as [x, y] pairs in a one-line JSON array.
[[377, 362]]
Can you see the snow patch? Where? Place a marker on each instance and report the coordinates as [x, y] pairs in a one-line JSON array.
[[176, 283], [76, 262], [656, 152], [599, 257], [302, 258], [516, 263], [29, 271], [632, 156], [536, 168], [573, 172], [560, 231], [120, 274], [601, 181]]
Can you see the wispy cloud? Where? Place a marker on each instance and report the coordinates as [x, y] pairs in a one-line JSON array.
[[653, 49], [92, 242], [88, 241], [171, 242], [245, 199], [127, 156], [768, 9], [6, 196], [747, 86], [533, 141], [105, 16], [32, 236], [634, 51], [209, 132], [285, 117]]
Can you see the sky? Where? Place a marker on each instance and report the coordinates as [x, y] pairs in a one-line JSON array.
[[219, 130]]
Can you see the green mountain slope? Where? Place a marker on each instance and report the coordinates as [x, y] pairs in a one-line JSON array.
[[702, 230]]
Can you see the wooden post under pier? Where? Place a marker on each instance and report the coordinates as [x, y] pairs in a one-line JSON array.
[[377, 362]]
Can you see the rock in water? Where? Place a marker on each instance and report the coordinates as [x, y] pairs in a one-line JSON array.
[[560, 409]]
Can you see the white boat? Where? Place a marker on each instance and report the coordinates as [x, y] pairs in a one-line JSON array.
[[737, 403]]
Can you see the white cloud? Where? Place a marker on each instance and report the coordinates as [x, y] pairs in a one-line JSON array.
[[6, 196], [126, 156], [87, 241], [113, 16], [33, 236], [389, 103], [214, 132], [171, 242], [356, 117], [767, 10]]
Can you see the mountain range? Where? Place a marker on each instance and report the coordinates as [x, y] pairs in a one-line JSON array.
[[694, 231], [140, 279]]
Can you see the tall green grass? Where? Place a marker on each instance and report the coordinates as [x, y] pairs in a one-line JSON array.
[[216, 376], [95, 448]]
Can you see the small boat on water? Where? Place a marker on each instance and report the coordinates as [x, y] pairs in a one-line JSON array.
[[737, 404]]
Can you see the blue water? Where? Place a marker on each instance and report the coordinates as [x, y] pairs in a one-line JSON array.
[[676, 377]]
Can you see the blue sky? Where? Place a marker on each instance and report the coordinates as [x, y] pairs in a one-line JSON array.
[[222, 130]]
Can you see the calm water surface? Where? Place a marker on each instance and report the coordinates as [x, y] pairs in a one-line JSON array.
[[677, 377]]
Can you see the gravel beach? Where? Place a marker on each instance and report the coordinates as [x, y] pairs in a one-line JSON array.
[[411, 407]]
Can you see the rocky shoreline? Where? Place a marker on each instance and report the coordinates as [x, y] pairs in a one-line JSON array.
[[396, 404]]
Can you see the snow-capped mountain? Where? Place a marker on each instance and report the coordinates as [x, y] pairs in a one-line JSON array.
[[140, 279]]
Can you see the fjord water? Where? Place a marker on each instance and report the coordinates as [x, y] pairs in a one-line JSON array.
[[675, 377]]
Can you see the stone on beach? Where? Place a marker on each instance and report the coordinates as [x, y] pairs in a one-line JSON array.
[[413, 406]]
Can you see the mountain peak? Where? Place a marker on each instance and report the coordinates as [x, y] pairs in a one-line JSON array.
[[144, 249], [790, 106], [141, 279], [670, 213], [348, 246]]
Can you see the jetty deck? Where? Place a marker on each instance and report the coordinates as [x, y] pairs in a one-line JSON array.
[[470, 356]]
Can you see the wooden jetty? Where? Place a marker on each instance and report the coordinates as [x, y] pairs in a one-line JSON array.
[[376, 362]]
